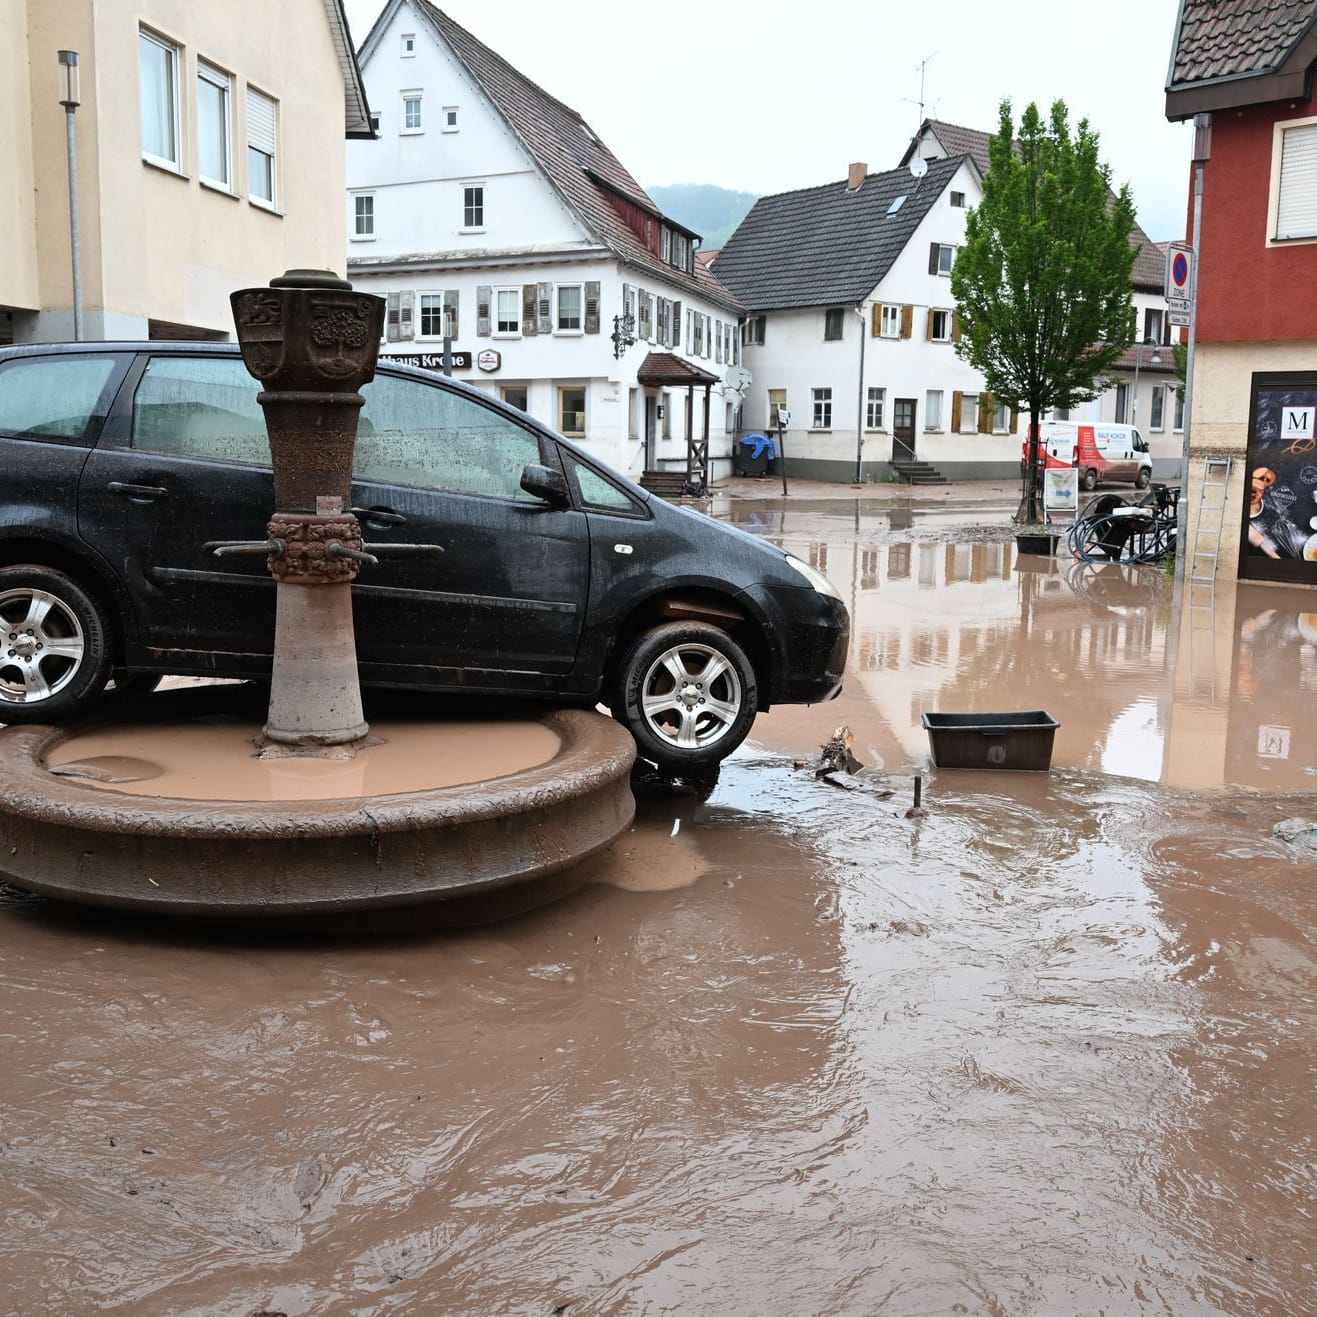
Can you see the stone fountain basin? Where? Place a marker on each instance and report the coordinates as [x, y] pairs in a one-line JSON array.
[[77, 840]]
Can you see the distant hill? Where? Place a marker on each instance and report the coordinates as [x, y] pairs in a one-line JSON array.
[[713, 212]]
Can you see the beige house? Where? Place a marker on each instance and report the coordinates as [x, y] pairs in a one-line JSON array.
[[210, 155]]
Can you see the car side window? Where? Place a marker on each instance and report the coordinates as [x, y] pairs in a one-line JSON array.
[[598, 493], [414, 433], [200, 407], [53, 397]]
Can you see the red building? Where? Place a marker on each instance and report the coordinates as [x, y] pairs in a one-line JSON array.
[[1249, 66]]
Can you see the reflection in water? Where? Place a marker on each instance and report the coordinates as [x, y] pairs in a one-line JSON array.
[[1142, 684]]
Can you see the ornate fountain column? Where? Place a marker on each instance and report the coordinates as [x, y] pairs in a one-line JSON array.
[[313, 343]]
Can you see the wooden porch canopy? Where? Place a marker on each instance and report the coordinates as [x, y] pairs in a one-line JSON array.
[[664, 370]]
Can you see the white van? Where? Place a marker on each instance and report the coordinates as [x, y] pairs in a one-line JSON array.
[[1100, 450]]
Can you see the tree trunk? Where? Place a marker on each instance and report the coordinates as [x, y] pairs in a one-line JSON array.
[[1031, 486]]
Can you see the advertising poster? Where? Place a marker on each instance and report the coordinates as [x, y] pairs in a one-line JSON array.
[[1279, 542]]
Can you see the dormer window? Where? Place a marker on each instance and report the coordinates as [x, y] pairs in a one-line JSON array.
[[681, 251], [665, 243]]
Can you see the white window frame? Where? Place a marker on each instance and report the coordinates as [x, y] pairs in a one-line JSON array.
[[557, 310], [933, 399], [448, 119], [223, 83], [946, 324], [422, 296], [1177, 416], [821, 404], [756, 328], [174, 55], [875, 405], [412, 96], [1001, 419], [359, 234], [272, 201], [945, 253], [468, 207], [1308, 127], [969, 413], [407, 45], [514, 291], [958, 204], [890, 322], [1154, 413]]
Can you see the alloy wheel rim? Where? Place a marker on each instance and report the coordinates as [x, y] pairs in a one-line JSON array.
[[691, 696], [41, 646]]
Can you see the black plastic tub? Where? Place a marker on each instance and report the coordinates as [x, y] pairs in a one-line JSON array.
[[992, 740], [1042, 543]]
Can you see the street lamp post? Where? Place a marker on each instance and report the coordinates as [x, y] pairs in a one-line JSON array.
[[1154, 360], [68, 60]]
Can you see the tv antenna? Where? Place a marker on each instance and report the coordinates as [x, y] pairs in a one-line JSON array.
[[922, 67]]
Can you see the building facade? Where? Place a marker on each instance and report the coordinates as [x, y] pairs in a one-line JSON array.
[[492, 214], [210, 155], [1254, 400]]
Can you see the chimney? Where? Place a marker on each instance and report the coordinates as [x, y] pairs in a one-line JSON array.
[[855, 176]]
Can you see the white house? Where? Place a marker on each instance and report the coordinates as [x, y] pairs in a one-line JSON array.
[[490, 211], [852, 326]]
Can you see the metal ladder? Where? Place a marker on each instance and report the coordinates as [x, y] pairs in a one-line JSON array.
[[1204, 559]]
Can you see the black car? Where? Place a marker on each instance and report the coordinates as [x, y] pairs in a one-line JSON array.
[[560, 578]]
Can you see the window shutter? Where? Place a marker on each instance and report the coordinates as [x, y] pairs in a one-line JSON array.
[[907, 321], [483, 326], [1015, 421], [391, 317], [1296, 205], [690, 330], [955, 411], [928, 327], [932, 257], [676, 325], [405, 315], [260, 121], [592, 307], [545, 304], [877, 320], [955, 326], [987, 408], [450, 311], [626, 298], [708, 334], [529, 310], [719, 343]]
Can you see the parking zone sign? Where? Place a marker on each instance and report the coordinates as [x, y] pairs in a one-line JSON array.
[[1179, 273]]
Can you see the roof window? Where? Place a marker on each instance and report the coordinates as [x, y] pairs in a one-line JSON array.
[[896, 205]]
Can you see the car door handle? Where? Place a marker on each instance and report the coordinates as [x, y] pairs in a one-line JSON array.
[[381, 515], [137, 491]]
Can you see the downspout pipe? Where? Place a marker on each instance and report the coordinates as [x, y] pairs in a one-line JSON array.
[[859, 403]]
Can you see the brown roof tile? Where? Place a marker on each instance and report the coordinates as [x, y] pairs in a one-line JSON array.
[[665, 368], [572, 157], [1236, 38]]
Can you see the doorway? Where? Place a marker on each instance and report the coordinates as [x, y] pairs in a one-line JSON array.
[[903, 430], [651, 431]]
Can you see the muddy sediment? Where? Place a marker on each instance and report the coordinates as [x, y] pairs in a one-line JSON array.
[[1046, 1049]]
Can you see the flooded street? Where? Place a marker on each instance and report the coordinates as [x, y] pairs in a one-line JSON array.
[[1047, 1049]]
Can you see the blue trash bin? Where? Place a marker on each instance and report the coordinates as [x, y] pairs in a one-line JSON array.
[[753, 454]]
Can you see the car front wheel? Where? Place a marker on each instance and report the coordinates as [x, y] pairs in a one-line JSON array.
[[54, 645], [687, 693]]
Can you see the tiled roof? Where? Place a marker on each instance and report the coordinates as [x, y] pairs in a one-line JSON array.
[[1236, 38], [1149, 263], [572, 157], [826, 245], [356, 110], [665, 368]]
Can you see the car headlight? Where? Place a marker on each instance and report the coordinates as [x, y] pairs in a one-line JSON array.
[[816, 579]]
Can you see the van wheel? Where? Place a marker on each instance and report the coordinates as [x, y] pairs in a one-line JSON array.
[[1143, 479], [1089, 480], [687, 693], [54, 645]]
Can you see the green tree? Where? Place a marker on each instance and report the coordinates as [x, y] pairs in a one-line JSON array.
[[1043, 280]]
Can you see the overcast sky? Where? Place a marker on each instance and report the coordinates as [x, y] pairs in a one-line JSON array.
[[766, 95]]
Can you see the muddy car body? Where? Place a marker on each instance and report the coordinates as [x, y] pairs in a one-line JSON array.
[[560, 578]]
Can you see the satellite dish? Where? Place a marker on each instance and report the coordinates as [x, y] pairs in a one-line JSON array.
[[918, 168], [737, 378]]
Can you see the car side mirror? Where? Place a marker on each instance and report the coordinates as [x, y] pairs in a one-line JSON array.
[[546, 483]]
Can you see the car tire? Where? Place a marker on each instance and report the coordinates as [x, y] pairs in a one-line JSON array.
[[684, 727], [1143, 479], [54, 645], [1090, 479]]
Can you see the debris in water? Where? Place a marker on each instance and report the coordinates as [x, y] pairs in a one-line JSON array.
[[1301, 833], [915, 812], [837, 754]]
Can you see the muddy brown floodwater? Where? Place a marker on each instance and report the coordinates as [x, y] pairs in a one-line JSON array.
[[1048, 1049]]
